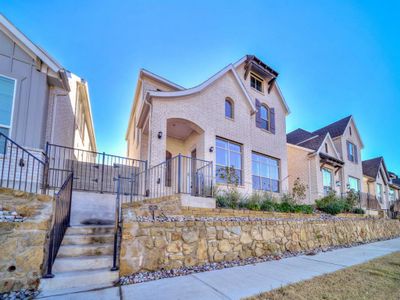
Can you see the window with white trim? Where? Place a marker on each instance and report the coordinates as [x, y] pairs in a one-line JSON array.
[[7, 92], [354, 184], [379, 192], [327, 180], [229, 158], [264, 117], [265, 171], [256, 82]]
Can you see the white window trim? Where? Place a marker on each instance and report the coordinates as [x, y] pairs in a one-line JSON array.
[[241, 183], [259, 79], [12, 104], [332, 179], [279, 171]]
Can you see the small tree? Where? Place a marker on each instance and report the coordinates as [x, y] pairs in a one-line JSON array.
[[228, 174], [299, 190]]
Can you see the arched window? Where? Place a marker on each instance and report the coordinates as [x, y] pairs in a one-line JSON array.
[[228, 108], [264, 116]]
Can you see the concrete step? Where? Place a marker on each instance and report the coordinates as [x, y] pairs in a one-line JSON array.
[[66, 293], [82, 263], [84, 239], [77, 279], [85, 250], [90, 229]]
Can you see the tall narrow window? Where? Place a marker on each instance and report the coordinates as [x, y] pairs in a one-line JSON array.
[[354, 184], [7, 90], [264, 117], [327, 181], [265, 171], [228, 108], [326, 148], [379, 191], [229, 162], [352, 152]]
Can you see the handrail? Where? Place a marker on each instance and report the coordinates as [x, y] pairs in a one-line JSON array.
[[61, 220], [117, 224], [20, 169]]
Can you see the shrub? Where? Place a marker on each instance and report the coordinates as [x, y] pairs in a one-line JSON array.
[[254, 202], [332, 204], [230, 198], [358, 210], [299, 190]]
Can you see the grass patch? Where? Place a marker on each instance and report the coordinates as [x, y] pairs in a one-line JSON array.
[[376, 279]]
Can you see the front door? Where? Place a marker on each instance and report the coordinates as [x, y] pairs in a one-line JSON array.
[[194, 188]]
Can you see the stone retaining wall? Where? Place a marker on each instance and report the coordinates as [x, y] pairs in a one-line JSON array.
[[148, 246], [23, 244]]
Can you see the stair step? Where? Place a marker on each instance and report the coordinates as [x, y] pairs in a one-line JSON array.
[[90, 229], [82, 239], [77, 279], [82, 263], [85, 250], [66, 293]]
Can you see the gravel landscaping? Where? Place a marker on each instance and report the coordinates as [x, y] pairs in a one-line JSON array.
[[10, 216], [21, 294], [155, 275], [319, 217]]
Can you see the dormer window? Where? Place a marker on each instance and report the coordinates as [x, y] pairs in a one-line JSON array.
[[228, 108], [256, 82]]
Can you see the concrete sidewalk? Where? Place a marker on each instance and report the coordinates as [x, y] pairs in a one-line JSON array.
[[244, 281]]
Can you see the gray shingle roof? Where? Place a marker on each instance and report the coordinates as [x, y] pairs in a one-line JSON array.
[[313, 143], [371, 166], [298, 136], [335, 129]]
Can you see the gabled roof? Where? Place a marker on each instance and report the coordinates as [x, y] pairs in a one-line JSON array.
[[371, 167], [298, 135], [160, 79], [205, 84], [313, 143], [335, 129]]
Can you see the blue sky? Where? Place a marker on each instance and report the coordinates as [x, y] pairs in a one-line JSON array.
[[335, 58]]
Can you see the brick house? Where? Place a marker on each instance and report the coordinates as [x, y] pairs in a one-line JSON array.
[[236, 119], [327, 159]]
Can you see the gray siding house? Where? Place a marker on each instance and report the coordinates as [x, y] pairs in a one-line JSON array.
[[40, 101]]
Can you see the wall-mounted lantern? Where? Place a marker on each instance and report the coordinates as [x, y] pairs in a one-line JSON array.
[[159, 135], [211, 149]]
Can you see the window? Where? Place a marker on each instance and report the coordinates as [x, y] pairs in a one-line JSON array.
[[229, 158], [228, 108], [256, 82], [327, 181], [392, 196], [265, 171], [264, 117], [379, 192], [7, 91], [326, 148], [350, 130], [354, 184], [351, 152]]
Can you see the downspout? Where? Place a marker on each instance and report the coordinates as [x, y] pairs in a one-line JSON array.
[[309, 178], [150, 128]]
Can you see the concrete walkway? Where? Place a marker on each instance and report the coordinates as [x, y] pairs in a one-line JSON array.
[[244, 281]]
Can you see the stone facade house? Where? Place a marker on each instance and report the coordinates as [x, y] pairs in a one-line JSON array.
[[327, 159], [40, 101], [376, 181], [236, 119]]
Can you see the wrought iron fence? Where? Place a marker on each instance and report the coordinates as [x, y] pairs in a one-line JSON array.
[[93, 171], [117, 222], [369, 201], [20, 169], [61, 220], [178, 175]]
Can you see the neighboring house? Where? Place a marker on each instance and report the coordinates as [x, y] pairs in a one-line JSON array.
[[376, 181], [327, 159], [394, 187], [40, 101], [236, 119]]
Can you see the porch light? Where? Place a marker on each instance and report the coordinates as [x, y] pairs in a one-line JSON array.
[[159, 135], [211, 149]]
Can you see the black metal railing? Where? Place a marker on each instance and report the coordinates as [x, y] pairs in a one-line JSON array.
[[119, 182], [93, 171], [369, 201], [61, 220], [178, 175], [19, 168]]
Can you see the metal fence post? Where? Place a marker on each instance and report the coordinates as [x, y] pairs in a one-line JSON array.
[[102, 173], [70, 200], [179, 172]]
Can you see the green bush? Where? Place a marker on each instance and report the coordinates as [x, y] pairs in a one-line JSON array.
[[358, 210], [333, 205], [230, 198]]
